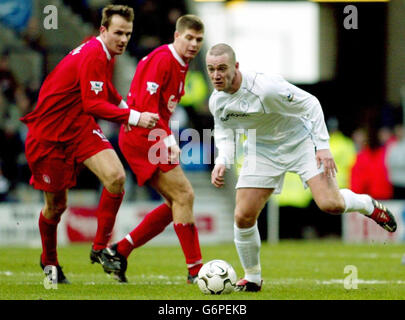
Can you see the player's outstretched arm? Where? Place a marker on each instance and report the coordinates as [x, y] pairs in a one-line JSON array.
[[217, 175]]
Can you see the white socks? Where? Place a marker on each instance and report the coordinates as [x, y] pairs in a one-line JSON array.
[[357, 202], [247, 242]]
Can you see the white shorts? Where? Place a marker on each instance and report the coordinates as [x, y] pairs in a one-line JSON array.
[[264, 169]]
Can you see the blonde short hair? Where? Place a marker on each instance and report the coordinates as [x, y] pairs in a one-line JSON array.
[[222, 48], [189, 21]]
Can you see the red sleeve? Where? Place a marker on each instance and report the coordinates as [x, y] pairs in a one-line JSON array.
[[95, 89], [149, 85], [115, 97]]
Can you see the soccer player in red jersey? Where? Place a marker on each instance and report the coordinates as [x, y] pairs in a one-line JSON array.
[[63, 134], [157, 86]]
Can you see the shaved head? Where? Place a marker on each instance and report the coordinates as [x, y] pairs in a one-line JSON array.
[[222, 48], [223, 69]]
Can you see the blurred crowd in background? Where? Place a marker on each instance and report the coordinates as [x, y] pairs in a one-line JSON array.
[[154, 25], [370, 159]]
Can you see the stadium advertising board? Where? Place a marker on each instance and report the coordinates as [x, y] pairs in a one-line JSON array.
[[19, 224]]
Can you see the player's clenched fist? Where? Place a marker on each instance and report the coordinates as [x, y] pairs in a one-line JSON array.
[[174, 154], [217, 175], [148, 120], [324, 156]]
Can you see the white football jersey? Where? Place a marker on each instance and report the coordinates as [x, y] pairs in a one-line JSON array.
[[280, 114]]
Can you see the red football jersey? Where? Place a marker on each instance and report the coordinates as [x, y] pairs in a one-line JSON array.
[[76, 91], [157, 87]]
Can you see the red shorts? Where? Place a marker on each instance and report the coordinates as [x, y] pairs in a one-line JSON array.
[[136, 151], [54, 166]]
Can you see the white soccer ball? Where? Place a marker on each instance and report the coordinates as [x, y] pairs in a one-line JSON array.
[[216, 277]]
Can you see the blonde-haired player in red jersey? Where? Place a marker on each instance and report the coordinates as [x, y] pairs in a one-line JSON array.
[[63, 134], [157, 87]]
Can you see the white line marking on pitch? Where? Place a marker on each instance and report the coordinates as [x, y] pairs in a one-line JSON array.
[[292, 281]]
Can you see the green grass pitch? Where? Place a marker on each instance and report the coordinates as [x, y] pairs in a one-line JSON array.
[[292, 270]]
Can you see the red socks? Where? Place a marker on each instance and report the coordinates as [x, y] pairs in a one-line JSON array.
[[48, 231], [106, 213], [151, 225], [188, 237]]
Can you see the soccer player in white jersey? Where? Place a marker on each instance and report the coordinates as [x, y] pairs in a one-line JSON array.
[[290, 136]]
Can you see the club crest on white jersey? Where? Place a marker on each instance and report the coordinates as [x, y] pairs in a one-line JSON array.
[[151, 87], [288, 95], [96, 86], [244, 105]]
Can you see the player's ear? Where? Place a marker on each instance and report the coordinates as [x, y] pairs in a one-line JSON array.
[[236, 65], [102, 29], [176, 35]]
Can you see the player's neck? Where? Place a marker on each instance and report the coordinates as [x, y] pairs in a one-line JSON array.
[[178, 52], [105, 47]]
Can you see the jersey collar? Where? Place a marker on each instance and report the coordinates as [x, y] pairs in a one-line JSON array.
[[104, 48], [176, 55]]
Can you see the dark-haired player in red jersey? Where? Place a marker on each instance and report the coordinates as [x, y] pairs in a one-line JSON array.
[[157, 86], [63, 134]]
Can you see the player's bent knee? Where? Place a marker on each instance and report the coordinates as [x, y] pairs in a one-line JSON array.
[[54, 211], [115, 182], [185, 197], [190, 195], [244, 220]]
